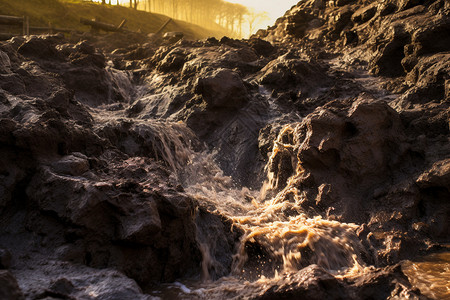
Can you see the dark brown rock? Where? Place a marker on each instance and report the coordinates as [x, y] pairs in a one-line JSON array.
[[5, 259], [387, 61], [222, 88], [311, 282], [9, 289]]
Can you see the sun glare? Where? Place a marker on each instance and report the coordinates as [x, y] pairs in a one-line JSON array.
[[260, 13]]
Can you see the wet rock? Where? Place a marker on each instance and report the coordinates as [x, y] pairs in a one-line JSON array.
[[9, 289], [40, 47], [385, 283], [407, 4], [78, 282], [432, 38], [144, 223], [366, 143], [342, 2], [290, 72], [386, 8], [222, 88], [218, 239], [88, 176], [84, 47], [312, 282], [173, 61], [207, 59], [5, 63]]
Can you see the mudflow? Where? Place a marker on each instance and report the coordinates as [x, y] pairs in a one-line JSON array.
[[311, 161]]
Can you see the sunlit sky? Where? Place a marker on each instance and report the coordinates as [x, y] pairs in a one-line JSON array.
[[274, 8]]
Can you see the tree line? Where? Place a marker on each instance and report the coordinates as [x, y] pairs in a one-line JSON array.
[[233, 17]]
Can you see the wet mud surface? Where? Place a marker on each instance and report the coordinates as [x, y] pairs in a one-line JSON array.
[[310, 161]]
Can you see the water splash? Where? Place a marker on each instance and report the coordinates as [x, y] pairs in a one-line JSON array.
[[279, 237]]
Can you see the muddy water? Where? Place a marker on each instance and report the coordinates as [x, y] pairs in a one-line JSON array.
[[279, 239], [430, 274], [285, 238]]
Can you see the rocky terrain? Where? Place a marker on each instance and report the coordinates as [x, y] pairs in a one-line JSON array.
[[309, 161]]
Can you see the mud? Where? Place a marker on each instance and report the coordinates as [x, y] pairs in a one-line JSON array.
[[311, 161]]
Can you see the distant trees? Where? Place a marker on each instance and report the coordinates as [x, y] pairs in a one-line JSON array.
[[207, 13], [255, 18]]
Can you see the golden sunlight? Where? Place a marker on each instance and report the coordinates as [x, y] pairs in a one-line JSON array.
[[239, 17]]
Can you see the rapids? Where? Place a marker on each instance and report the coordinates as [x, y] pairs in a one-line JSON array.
[[278, 237], [281, 237]]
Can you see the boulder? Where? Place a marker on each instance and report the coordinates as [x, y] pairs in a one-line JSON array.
[[223, 88]]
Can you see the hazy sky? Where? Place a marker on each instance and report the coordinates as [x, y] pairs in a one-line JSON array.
[[275, 8]]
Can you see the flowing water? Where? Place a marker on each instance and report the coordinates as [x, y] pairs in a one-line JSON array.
[[430, 274], [278, 238], [285, 237]]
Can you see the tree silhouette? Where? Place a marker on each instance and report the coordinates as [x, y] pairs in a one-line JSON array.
[[254, 19], [211, 14]]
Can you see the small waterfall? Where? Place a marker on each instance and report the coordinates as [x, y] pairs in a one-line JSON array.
[[286, 238]]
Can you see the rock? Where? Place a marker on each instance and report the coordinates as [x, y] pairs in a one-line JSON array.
[[434, 187], [298, 22], [342, 2], [365, 13], [366, 142], [120, 224], [384, 283], [222, 88], [217, 237], [84, 47], [428, 78], [144, 223], [122, 170], [62, 280], [386, 8], [40, 47], [432, 38], [9, 289], [62, 286], [340, 20], [261, 47], [74, 164], [173, 61], [308, 284], [290, 72], [407, 4], [387, 60], [5, 259], [5, 63]]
